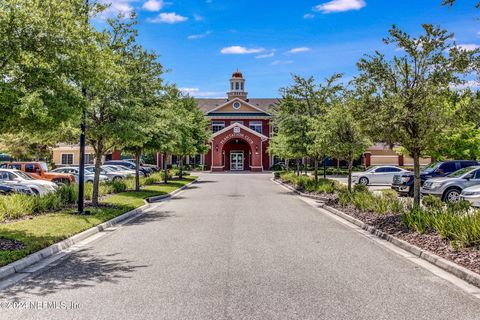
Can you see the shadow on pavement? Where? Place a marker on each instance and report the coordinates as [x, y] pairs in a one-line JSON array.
[[81, 269], [151, 217]]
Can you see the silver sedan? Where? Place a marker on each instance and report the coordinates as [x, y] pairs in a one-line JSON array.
[[379, 175]]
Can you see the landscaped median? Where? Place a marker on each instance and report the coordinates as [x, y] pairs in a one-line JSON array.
[[451, 231], [46, 221]]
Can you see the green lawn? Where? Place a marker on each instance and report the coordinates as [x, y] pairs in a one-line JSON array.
[[41, 231]]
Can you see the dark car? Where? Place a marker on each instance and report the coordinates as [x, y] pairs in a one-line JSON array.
[[403, 183], [131, 165]]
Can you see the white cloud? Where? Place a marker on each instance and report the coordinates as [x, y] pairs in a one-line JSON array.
[[197, 93], [340, 6], [299, 50], [198, 36], [241, 50], [308, 16], [116, 7], [470, 84], [198, 17], [153, 5], [170, 18], [281, 62], [266, 55], [468, 46]]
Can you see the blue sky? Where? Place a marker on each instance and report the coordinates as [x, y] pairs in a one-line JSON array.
[[202, 41]]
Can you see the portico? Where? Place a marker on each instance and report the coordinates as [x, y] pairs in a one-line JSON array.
[[237, 148]]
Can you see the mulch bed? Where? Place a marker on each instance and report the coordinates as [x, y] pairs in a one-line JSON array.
[[430, 241], [8, 244]]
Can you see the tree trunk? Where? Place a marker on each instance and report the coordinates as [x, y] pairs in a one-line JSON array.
[[180, 167], [338, 167], [298, 167], [324, 168], [138, 154], [165, 173], [350, 168], [287, 166], [96, 179], [416, 180], [316, 170]]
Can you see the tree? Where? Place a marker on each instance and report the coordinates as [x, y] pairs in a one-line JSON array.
[[345, 135], [406, 99], [303, 105], [144, 89], [38, 43]]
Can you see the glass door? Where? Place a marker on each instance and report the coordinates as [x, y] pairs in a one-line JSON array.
[[236, 161]]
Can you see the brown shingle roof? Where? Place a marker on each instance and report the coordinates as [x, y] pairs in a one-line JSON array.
[[264, 104]]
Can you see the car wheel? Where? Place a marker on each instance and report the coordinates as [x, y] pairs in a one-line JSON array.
[[35, 191], [452, 195], [364, 181]]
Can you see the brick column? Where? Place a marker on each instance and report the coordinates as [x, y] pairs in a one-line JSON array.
[[367, 159], [401, 160]]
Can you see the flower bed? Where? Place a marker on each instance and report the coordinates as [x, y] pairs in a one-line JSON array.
[[450, 231]]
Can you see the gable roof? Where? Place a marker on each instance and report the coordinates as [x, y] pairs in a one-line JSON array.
[[236, 124], [264, 104]]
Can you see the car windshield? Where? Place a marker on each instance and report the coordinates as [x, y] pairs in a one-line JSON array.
[[23, 175], [108, 169], [431, 167], [461, 172]]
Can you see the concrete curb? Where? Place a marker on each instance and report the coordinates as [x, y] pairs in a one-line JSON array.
[[19, 265], [449, 266]]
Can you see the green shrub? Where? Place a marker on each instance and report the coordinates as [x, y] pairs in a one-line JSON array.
[[417, 219], [396, 205], [390, 194], [460, 207], [154, 178], [16, 206], [118, 186], [325, 186], [68, 194], [345, 197], [360, 188], [432, 203], [363, 201], [48, 202], [381, 204]]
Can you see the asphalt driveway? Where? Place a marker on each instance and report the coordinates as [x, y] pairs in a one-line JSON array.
[[236, 246]]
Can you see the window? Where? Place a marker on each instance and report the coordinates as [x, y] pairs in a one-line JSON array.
[[237, 86], [256, 126], [29, 167], [15, 166], [217, 126], [89, 157], [236, 105], [241, 86], [449, 167], [6, 176], [476, 175], [67, 158], [388, 169]]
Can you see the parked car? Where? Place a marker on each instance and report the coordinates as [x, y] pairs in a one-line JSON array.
[[143, 164], [89, 176], [403, 182], [39, 170], [472, 195], [122, 169], [111, 174], [130, 165], [8, 189], [22, 179], [377, 175], [450, 187]]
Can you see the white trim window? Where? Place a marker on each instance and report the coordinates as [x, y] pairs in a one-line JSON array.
[[217, 126], [89, 158], [256, 126], [67, 158]]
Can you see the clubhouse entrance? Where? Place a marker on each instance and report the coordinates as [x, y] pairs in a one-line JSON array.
[[237, 148]]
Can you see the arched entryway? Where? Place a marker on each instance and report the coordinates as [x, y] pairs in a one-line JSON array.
[[237, 148], [237, 155]]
